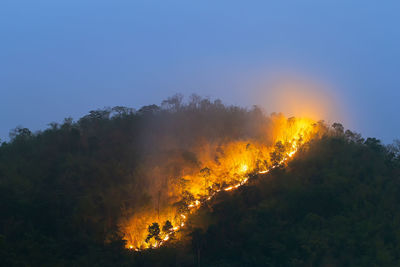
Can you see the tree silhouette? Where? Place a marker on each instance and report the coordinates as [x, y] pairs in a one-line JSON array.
[[154, 231], [278, 154], [205, 173], [167, 228]]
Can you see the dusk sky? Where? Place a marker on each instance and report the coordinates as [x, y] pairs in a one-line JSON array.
[[339, 59]]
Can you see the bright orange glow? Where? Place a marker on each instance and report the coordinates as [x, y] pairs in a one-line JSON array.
[[301, 96], [223, 166]]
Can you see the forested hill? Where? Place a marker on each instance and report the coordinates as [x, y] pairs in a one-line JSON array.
[[64, 192]]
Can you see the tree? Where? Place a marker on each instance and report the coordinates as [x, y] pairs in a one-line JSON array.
[[120, 112], [278, 154], [149, 110], [374, 144], [173, 103], [353, 137], [394, 148], [182, 205], [194, 101], [20, 133], [205, 173], [154, 231], [167, 228], [339, 129]]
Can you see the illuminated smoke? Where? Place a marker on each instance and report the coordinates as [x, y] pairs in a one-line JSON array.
[[188, 166]]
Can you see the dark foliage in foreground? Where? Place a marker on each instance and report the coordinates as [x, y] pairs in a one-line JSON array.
[[63, 190]]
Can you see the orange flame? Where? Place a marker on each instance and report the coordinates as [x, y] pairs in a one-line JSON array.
[[223, 167]]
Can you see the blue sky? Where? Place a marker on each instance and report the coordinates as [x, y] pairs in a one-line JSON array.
[[64, 58]]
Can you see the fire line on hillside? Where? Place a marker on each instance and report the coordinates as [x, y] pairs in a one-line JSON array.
[[224, 167]]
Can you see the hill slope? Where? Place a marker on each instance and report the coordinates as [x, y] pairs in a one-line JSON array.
[[335, 204], [64, 192]]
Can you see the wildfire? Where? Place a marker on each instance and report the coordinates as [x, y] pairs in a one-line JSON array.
[[223, 167], [244, 168]]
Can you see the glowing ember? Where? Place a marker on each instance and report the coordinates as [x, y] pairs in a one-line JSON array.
[[244, 168]]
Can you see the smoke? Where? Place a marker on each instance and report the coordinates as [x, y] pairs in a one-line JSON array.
[[191, 149], [181, 138], [298, 96]]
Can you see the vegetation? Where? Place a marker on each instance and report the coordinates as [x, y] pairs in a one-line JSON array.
[[335, 204], [65, 190]]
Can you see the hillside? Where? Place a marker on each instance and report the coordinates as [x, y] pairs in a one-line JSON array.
[[83, 193]]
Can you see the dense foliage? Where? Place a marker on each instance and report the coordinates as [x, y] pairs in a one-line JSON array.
[[64, 190], [336, 204]]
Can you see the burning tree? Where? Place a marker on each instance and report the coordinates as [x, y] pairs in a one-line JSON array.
[[183, 204], [167, 228], [154, 231], [205, 173], [278, 154]]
